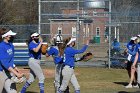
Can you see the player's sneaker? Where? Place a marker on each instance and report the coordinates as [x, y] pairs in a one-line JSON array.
[[129, 86], [136, 86]]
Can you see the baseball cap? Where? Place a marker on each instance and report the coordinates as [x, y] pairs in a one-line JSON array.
[[133, 38], [35, 34], [71, 40], [9, 33]]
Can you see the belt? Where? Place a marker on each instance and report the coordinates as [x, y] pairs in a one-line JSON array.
[[70, 66], [35, 58]]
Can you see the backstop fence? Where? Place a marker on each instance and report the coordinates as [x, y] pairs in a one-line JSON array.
[[99, 21]]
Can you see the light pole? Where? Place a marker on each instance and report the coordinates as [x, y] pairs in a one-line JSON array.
[[39, 16], [77, 25], [109, 37]]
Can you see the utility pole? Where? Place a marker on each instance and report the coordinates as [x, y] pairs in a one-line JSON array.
[[39, 16], [109, 62], [77, 25]]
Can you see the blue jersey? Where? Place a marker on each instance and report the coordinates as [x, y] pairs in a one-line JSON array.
[[55, 54], [6, 55], [1, 69], [130, 46], [131, 50], [116, 45], [33, 54], [69, 54]]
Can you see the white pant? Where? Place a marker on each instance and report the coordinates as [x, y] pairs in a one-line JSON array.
[[68, 75], [58, 68], [35, 71], [138, 72], [3, 77], [9, 86]]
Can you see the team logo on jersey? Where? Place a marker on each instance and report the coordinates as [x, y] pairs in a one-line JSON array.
[[130, 47], [9, 51]]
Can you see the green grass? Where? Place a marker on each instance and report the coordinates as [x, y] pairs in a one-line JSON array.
[[92, 80]]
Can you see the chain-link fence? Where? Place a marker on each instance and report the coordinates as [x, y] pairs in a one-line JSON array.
[[87, 19], [23, 31], [98, 20]]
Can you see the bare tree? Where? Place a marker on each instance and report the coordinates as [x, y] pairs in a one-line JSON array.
[[18, 11]]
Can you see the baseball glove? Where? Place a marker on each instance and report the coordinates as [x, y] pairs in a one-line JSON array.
[[87, 56], [44, 47], [18, 80]]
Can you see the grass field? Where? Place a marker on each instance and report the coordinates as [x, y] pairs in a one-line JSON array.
[[91, 80]]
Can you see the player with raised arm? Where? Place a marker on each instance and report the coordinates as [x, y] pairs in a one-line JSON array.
[[69, 65]]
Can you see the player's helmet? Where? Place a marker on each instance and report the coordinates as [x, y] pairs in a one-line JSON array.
[[57, 39]]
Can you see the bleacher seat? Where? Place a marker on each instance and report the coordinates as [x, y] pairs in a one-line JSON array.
[[21, 56]]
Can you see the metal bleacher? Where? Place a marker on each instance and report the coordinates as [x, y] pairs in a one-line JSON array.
[[21, 56]]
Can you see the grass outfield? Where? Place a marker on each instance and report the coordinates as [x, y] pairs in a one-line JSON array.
[[91, 80]]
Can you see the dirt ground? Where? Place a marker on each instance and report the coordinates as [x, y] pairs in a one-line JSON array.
[[49, 73]]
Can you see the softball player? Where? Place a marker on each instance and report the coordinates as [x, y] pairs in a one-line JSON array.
[[137, 59], [131, 46], [56, 50], [68, 70], [7, 59], [3, 76], [34, 63]]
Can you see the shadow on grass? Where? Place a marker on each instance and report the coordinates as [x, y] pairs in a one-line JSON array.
[[123, 92], [124, 83], [128, 92], [121, 83]]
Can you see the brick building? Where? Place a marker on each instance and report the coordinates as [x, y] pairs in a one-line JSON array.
[[91, 24]]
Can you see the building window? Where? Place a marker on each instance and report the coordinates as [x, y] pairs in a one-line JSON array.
[[106, 14], [97, 31], [84, 14], [94, 13], [59, 30], [73, 31], [86, 31]]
